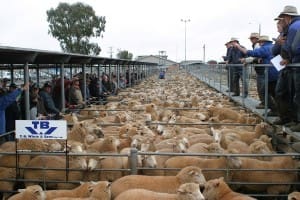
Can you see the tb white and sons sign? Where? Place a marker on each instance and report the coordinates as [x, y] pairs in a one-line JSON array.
[[41, 129]]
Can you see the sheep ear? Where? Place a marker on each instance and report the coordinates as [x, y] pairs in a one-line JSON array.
[[192, 172], [21, 190], [81, 182]]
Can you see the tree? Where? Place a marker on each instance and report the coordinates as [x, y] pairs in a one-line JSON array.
[[124, 55], [74, 26]]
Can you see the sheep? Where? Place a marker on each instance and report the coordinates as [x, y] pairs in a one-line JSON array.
[[217, 189], [187, 191], [258, 173], [56, 162], [168, 184], [99, 190], [113, 163], [108, 144], [238, 147], [294, 196], [33, 192], [204, 163], [81, 191], [7, 173]]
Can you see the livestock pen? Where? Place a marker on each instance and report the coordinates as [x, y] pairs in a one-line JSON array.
[[179, 110]]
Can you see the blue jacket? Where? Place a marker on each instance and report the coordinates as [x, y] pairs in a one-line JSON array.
[[292, 44], [265, 53], [5, 101]]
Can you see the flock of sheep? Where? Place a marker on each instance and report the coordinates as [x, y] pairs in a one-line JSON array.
[[191, 141]]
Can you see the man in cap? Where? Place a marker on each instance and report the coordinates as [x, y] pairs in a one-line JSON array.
[[264, 52], [229, 76], [12, 112], [234, 57], [49, 104], [290, 52]]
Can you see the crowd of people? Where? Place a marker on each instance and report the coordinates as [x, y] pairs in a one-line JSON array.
[[45, 101], [283, 86]]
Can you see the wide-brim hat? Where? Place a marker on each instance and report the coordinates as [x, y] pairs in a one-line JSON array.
[[234, 39], [254, 35], [264, 38], [289, 10]]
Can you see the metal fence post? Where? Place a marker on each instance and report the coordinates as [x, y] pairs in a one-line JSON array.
[[133, 160]]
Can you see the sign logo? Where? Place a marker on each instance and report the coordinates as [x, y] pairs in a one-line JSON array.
[[41, 129]]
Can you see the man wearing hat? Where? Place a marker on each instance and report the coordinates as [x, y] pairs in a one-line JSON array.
[[282, 90], [290, 53], [260, 74], [264, 52], [234, 57], [12, 112], [45, 94]]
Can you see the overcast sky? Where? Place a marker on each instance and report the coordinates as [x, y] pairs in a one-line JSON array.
[[145, 27]]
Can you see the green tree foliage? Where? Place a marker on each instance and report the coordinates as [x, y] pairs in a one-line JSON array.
[[74, 25], [124, 55]]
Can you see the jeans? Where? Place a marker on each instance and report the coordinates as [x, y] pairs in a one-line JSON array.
[[260, 85], [296, 89], [237, 75]]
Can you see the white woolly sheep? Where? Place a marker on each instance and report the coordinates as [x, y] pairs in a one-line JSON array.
[[168, 184], [294, 196], [187, 191], [56, 162], [33, 192], [81, 191], [217, 189], [99, 190], [258, 176]]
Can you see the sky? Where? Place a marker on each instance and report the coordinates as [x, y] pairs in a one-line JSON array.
[[145, 27]]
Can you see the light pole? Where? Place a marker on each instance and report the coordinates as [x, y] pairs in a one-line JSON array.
[[185, 21], [259, 27]]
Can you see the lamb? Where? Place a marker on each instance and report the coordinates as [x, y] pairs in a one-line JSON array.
[[99, 190], [294, 196], [7, 173], [258, 173], [217, 189], [33, 192], [54, 162], [203, 163], [80, 191], [167, 184], [108, 144], [187, 191]]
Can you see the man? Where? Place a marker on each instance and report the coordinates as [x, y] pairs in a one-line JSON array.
[[12, 113], [5, 101], [284, 82], [234, 57], [45, 94], [290, 53], [229, 72], [260, 74], [264, 52]]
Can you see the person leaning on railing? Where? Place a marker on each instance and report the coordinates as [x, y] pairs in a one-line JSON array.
[[264, 52], [5, 101], [290, 53]]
